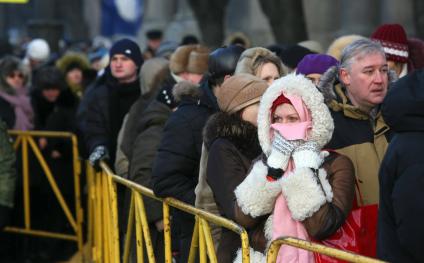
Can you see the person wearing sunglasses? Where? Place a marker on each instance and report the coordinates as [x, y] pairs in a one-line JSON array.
[[15, 106]]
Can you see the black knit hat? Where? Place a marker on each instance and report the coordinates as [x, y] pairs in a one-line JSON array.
[[293, 54], [129, 49], [50, 78], [154, 34]]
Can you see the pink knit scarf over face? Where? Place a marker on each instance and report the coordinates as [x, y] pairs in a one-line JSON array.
[[283, 223], [298, 130], [22, 107]]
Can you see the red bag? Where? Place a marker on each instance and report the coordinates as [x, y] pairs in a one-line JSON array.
[[358, 234]]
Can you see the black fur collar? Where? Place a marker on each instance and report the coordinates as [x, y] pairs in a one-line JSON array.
[[241, 133]]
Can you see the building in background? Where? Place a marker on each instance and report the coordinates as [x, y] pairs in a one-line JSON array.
[[78, 20]]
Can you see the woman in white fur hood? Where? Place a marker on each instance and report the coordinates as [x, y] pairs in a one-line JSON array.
[[296, 187]]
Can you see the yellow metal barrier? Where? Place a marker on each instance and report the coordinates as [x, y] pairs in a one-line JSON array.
[[103, 227], [103, 234], [25, 139], [314, 247]]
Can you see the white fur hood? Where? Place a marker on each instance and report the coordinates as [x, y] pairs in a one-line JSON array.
[[322, 122]]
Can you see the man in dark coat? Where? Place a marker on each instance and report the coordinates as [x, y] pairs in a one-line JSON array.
[[145, 146], [401, 212], [176, 167], [110, 102], [188, 63]]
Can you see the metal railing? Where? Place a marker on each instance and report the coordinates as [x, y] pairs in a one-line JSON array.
[[103, 224], [314, 247], [25, 141], [103, 233]]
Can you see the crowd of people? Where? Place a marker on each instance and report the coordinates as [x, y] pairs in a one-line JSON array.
[[284, 140]]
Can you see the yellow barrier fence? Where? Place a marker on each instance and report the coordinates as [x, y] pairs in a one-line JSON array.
[[103, 235], [314, 247], [25, 140]]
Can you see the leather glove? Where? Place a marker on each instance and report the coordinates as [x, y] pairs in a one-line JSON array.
[[281, 152], [308, 155], [100, 153]]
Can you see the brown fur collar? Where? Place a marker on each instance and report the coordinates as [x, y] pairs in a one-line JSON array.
[[231, 127]]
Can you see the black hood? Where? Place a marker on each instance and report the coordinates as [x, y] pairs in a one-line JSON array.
[[403, 107]]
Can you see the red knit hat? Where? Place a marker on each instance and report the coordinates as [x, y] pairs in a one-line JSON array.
[[280, 100], [393, 39]]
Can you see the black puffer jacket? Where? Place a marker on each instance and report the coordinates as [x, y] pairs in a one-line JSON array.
[[233, 145], [176, 168], [401, 212], [105, 112]]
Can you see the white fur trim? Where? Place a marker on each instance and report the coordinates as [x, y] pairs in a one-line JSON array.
[[256, 195], [322, 174], [255, 257], [322, 122], [307, 158], [268, 229], [278, 160], [303, 194]]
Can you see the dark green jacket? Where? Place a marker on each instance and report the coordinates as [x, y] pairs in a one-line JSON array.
[[7, 168]]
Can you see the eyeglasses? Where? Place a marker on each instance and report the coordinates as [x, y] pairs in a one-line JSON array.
[[15, 74]]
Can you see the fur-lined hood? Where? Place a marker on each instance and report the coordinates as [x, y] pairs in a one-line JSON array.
[[9, 64], [152, 73], [241, 133], [248, 58], [185, 89], [72, 58], [322, 122]]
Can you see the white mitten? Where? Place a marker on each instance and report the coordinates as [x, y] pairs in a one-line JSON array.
[[256, 195]]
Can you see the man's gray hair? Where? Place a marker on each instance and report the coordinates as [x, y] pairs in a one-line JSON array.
[[357, 50]]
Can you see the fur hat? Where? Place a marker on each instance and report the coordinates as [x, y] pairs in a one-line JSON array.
[[322, 122], [393, 39], [238, 38], [249, 56], [129, 49], [189, 58], [336, 47], [315, 64], [240, 91]]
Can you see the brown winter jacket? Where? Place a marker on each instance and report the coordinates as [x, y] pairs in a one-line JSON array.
[[233, 145], [328, 218]]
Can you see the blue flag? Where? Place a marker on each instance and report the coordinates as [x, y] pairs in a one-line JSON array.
[[121, 17]]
